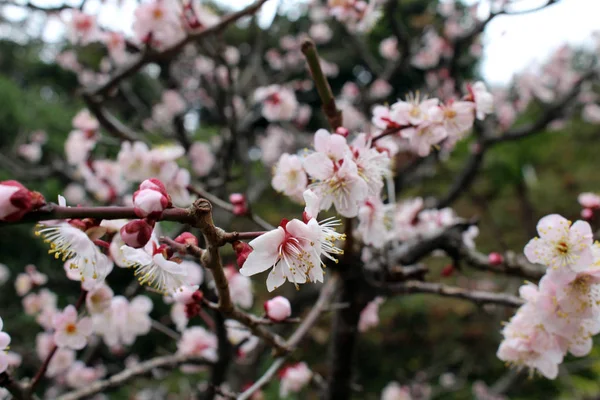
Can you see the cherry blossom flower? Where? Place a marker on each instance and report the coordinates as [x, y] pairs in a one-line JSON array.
[[202, 158], [123, 321], [199, 342], [32, 152], [294, 378], [372, 165], [241, 337], [289, 177], [393, 391], [279, 103], [374, 222], [369, 316], [83, 28], [388, 48], [99, 299], [278, 308], [456, 117], [561, 245], [159, 22], [85, 122], [240, 287], [34, 303], [75, 245], [155, 269], [60, 362], [79, 375], [4, 342], [78, 146], [589, 200], [591, 113], [69, 332]]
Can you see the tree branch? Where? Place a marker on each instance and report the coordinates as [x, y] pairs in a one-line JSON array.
[[130, 373]]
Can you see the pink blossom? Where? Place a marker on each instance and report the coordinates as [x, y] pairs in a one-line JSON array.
[[151, 199], [561, 245], [123, 321], [484, 101], [495, 258], [290, 178], [159, 23], [380, 89], [240, 287], [393, 391], [320, 33], [350, 91], [70, 332], [115, 43], [4, 342], [79, 375], [456, 117], [591, 113], [199, 342], [34, 303], [294, 378], [99, 299], [240, 337], [202, 158], [32, 152], [16, 200], [388, 48], [85, 122], [276, 142], [372, 222], [413, 111], [61, 362], [278, 308], [83, 28], [78, 146], [279, 103], [369, 316], [187, 238], [589, 200]]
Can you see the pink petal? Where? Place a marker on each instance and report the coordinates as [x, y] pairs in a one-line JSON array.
[[318, 166], [4, 341], [553, 227]]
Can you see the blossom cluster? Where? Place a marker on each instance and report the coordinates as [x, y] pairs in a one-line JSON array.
[[561, 313]]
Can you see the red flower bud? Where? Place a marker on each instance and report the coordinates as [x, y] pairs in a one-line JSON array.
[[342, 131], [137, 233], [447, 270], [192, 309], [151, 199], [242, 251], [16, 201], [240, 206], [495, 258], [187, 238]]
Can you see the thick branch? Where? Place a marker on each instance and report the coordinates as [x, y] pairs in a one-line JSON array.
[[334, 116], [130, 373]]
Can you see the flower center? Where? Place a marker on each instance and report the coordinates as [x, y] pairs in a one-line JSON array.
[[71, 329], [562, 247]]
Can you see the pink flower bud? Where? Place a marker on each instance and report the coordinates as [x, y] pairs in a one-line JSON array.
[[136, 233], [495, 258], [278, 308], [242, 251], [187, 238], [342, 131], [237, 198], [151, 199], [240, 207], [16, 201], [587, 213]]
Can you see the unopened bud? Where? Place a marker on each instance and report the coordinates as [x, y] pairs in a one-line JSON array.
[[136, 233], [587, 213], [187, 238], [242, 251], [16, 201], [342, 131], [447, 270], [278, 308], [240, 206], [151, 199], [495, 258]]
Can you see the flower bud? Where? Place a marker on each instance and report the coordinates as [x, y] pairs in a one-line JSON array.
[[278, 308], [185, 294], [242, 251], [495, 258], [240, 206], [151, 199], [342, 131], [16, 200], [187, 238], [587, 213], [447, 270], [136, 233]]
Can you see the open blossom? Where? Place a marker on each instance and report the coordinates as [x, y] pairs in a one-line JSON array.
[[79, 375], [78, 146], [240, 287], [561, 245], [278, 308], [279, 103], [155, 269], [69, 332], [241, 337], [456, 117], [289, 177], [159, 22], [373, 222], [73, 244], [388, 48], [369, 316], [202, 158], [589, 200], [61, 362], [34, 303], [85, 122], [83, 28], [16, 200], [4, 342], [294, 378], [393, 391], [123, 321], [199, 342], [98, 299]]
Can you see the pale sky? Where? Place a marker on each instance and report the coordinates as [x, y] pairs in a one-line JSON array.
[[512, 43]]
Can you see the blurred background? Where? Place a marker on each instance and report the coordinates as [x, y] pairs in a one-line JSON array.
[[446, 348]]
